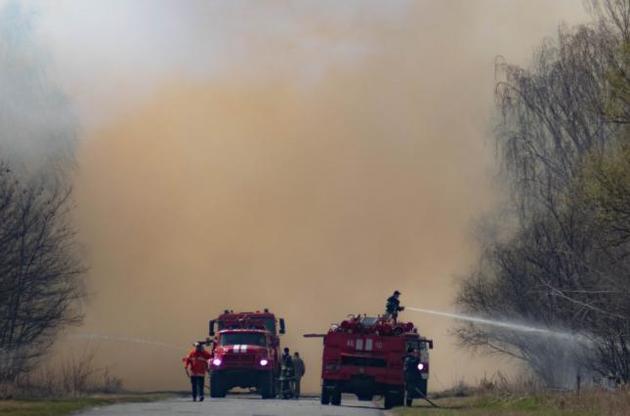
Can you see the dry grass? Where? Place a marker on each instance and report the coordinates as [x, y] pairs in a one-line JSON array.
[[522, 397], [496, 385], [74, 377]]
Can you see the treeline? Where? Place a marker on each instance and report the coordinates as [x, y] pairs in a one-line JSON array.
[[558, 253]]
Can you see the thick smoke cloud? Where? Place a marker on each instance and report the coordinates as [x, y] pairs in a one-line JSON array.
[[37, 125], [288, 155]]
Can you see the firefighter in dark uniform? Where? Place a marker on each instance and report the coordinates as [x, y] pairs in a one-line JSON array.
[[287, 386], [298, 365], [393, 305], [287, 360], [412, 374]]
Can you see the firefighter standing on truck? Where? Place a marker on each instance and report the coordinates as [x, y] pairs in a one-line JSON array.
[[393, 305], [196, 366]]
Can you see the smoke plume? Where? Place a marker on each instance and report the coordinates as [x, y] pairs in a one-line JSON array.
[[305, 157], [37, 125]]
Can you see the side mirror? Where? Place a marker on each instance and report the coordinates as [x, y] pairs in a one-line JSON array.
[[283, 329], [211, 328], [430, 344]]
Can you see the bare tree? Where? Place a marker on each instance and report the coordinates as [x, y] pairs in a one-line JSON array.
[[40, 271]]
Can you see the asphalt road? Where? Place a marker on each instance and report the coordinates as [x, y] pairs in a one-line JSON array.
[[239, 406]]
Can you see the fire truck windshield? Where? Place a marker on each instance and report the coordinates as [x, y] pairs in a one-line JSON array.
[[251, 323], [243, 338]]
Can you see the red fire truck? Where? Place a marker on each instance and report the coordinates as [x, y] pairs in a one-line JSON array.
[[365, 355], [244, 352]]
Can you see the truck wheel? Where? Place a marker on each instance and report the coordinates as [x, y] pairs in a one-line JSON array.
[[266, 387], [216, 386], [388, 401], [325, 397], [335, 398], [394, 398]]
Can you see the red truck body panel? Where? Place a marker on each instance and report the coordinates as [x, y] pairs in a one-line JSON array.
[[346, 355]]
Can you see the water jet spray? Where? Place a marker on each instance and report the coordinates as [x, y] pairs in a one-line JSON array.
[[128, 340], [496, 323]]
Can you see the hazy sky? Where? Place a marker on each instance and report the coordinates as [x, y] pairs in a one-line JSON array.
[[306, 156], [99, 47]]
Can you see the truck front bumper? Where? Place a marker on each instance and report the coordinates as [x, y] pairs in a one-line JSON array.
[[241, 377]]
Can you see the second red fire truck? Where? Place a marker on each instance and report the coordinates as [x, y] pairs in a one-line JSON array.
[[364, 356]]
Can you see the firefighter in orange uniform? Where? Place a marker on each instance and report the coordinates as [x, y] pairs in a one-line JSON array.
[[196, 366]]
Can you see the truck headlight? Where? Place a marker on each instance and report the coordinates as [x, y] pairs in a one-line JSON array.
[[216, 362], [264, 362], [420, 366]]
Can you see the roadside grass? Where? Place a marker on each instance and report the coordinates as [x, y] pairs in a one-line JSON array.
[[589, 403], [66, 406]]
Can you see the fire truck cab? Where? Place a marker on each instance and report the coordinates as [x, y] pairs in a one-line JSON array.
[[365, 356], [245, 352]]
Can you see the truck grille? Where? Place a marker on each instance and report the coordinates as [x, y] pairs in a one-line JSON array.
[[243, 359], [363, 361]]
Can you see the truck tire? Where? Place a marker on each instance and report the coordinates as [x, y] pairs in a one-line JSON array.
[[325, 397], [216, 386], [266, 387], [394, 398], [335, 398], [388, 401], [399, 398]]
